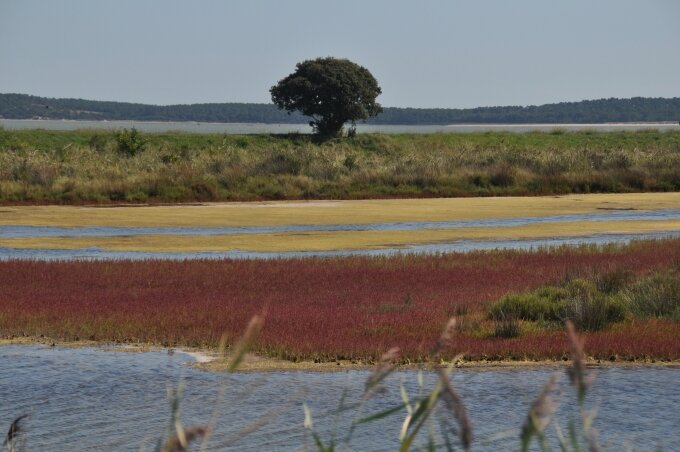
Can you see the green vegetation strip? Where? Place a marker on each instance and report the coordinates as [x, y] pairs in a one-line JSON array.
[[38, 166]]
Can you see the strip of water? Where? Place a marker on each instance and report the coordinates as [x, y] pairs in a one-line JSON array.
[[98, 399], [23, 231], [462, 246], [257, 128]]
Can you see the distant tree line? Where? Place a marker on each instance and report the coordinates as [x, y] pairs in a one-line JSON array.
[[643, 109], [22, 106]]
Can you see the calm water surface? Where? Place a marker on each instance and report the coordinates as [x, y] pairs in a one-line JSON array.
[[27, 231], [246, 128], [461, 246], [91, 398], [110, 231]]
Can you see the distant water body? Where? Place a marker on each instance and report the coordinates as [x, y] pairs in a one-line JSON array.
[[248, 128]]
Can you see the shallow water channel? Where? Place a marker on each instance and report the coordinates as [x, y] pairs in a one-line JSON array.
[[23, 231], [28, 231], [255, 128], [96, 398], [460, 246]]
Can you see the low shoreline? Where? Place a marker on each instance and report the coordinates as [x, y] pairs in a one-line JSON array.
[[208, 359]]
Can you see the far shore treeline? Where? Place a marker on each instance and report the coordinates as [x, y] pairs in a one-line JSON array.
[[637, 109]]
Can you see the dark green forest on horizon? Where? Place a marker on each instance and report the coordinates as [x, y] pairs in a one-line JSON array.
[[637, 109]]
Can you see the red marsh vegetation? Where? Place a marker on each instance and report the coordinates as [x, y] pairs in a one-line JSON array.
[[353, 308]]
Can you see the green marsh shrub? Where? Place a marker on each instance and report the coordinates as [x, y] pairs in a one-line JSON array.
[[503, 176], [282, 162], [543, 304], [129, 142], [614, 281], [170, 159], [506, 329], [656, 296], [481, 180], [578, 300], [97, 143], [204, 190], [350, 162], [588, 308]]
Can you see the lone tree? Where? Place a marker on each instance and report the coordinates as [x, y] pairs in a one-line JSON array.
[[331, 91]]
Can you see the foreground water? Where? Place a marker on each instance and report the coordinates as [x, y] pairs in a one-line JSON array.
[[95, 398], [248, 128]]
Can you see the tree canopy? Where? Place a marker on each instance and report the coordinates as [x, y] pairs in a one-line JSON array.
[[331, 91]]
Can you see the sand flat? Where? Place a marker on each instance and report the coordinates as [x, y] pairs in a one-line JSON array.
[[332, 212]]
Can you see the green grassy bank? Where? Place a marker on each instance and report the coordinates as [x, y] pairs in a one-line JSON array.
[[38, 166]]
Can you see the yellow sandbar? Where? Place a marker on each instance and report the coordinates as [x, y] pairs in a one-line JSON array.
[[331, 212], [334, 240]]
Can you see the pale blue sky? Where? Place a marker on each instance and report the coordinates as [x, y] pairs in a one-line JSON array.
[[426, 53]]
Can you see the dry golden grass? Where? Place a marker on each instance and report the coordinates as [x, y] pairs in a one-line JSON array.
[[332, 212]]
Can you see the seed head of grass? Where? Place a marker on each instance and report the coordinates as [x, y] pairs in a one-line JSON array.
[[540, 413], [184, 436], [446, 336], [242, 346], [16, 428], [578, 375], [454, 403], [381, 371]]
